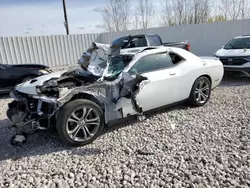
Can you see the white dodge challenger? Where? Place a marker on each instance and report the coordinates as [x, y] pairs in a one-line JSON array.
[[134, 82]]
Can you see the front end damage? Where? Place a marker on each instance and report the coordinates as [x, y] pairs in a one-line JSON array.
[[37, 108], [30, 113]]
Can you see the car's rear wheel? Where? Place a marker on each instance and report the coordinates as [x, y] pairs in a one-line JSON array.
[[79, 122], [200, 92]]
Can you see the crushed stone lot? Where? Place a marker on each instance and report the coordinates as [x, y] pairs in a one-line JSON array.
[[176, 147]]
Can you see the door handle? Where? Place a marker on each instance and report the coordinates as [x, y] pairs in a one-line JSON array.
[[172, 73]]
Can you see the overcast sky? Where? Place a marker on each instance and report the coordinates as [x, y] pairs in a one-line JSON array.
[[45, 17]]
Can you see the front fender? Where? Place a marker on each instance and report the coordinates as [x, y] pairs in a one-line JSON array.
[[97, 95]]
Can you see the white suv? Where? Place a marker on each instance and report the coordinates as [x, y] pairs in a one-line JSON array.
[[235, 55]]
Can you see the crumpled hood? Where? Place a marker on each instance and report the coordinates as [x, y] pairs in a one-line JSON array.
[[232, 52], [29, 87]]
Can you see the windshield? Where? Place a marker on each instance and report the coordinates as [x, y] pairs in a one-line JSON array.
[[240, 43], [116, 65]]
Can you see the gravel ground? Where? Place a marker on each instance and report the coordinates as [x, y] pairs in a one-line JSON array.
[[177, 147]]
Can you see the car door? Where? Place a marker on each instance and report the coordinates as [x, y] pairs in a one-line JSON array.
[[164, 81]]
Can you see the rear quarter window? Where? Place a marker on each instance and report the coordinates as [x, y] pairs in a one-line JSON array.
[[185, 54]]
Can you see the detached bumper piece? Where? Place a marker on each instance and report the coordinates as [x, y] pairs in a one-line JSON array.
[[19, 139]]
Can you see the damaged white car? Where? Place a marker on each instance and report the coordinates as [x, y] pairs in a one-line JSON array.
[[134, 82]]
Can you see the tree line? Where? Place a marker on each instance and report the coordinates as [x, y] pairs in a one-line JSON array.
[[120, 15]]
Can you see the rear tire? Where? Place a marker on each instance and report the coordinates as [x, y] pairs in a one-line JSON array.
[[201, 91], [80, 122]]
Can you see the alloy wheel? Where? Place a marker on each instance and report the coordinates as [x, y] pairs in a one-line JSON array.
[[83, 124], [202, 91]]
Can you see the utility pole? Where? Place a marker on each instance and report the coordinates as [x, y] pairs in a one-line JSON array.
[[65, 18]]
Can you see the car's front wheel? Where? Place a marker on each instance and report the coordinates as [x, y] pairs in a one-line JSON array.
[[200, 92], [79, 122]]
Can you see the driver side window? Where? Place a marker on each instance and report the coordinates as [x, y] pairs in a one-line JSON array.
[[151, 63]]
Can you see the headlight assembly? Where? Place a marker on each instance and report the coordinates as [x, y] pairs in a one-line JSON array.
[[42, 71], [47, 86]]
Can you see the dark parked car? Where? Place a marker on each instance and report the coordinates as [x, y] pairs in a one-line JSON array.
[[147, 40], [11, 75]]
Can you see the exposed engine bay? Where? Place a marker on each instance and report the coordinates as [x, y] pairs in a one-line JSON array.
[[37, 102]]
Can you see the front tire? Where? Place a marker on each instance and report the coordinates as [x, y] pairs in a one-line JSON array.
[[201, 91], [80, 122]]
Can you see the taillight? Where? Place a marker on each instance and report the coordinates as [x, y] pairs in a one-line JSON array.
[[188, 47]]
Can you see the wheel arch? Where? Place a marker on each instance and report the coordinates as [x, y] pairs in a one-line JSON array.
[[88, 97], [205, 75]]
